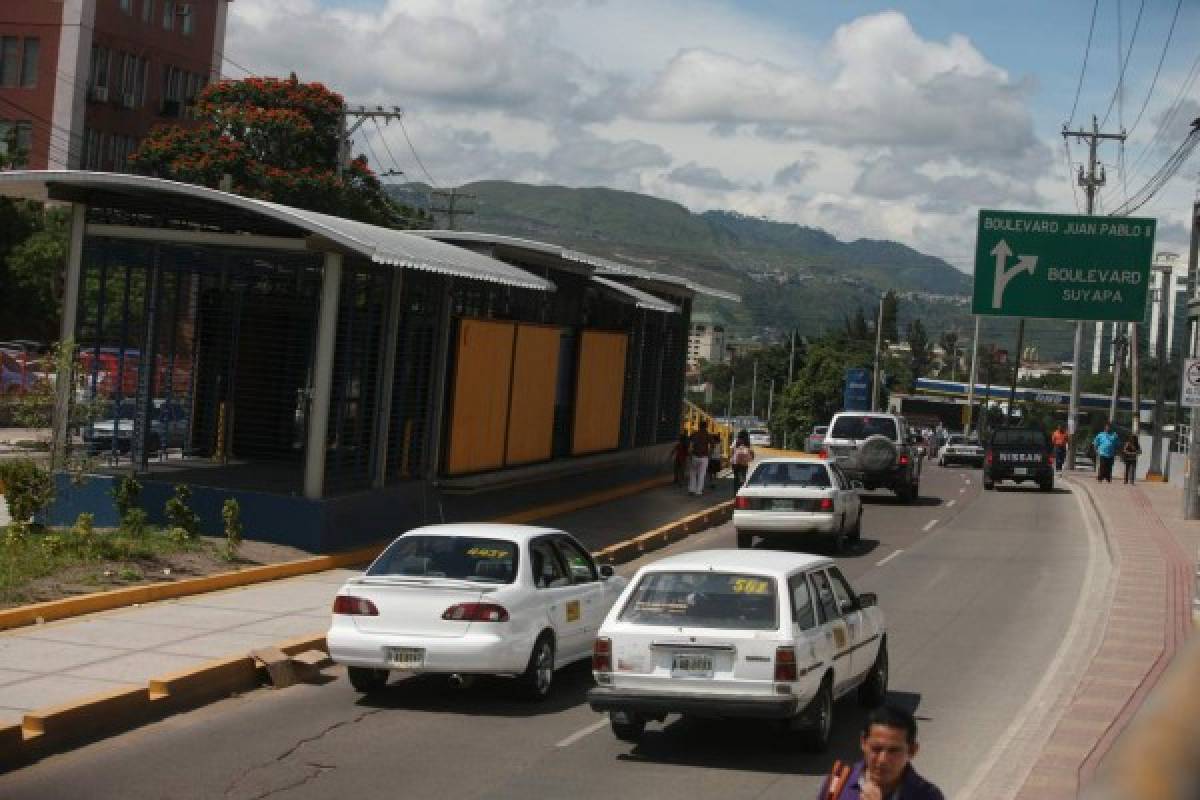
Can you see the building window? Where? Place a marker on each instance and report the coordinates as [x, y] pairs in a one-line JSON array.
[[185, 19], [168, 15], [29, 64], [147, 10], [16, 140], [91, 151], [126, 6], [10, 60], [99, 77]]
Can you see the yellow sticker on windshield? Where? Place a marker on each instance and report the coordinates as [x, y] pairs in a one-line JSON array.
[[749, 586], [487, 552]]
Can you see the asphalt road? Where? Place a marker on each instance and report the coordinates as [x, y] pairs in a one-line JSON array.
[[978, 588]]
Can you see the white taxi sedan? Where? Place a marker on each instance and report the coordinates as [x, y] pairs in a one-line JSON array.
[[472, 599], [737, 633], [793, 496]]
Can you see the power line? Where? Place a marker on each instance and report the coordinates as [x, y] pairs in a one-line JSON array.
[[1160, 179], [404, 130], [388, 148], [1086, 51], [1123, 63], [1158, 69], [1169, 116]]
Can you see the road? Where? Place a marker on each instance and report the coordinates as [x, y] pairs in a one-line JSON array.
[[979, 589]]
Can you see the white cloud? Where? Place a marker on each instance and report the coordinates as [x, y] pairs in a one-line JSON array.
[[876, 132]]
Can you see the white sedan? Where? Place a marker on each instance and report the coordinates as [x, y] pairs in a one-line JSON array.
[[793, 496], [472, 599], [737, 633]]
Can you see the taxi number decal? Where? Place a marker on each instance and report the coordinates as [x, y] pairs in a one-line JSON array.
[[573, 612], [749, 586], [486, 552]]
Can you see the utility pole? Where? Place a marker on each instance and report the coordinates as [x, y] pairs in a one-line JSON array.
[[1012, 393], [1135, 379], [753, 388], [450, 204], [1091, 182], [1191, 502], [360, 114], [990, 360], [770, 399], [878, 346], [792, 360], [1155, 473], [729, 403], [973, 378], [1119, 344]]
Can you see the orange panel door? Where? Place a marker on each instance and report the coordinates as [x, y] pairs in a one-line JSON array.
[[535, 379], [482, 381], [599, 390]]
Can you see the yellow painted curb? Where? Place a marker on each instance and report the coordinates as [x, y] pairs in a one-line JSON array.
[[634, 548], [49, 730], [133, 595]]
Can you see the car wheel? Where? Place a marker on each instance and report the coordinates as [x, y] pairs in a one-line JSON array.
[[916, 491], [856, 531], [1046, 485], [627, 726], [366, 679], [816, 738], [904, 493], [942, 462], [538, 677], [873, 690], [988, 485], [745, 541], [839, 539]]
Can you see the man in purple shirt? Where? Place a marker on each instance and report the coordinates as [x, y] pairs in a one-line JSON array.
[[889, 742]]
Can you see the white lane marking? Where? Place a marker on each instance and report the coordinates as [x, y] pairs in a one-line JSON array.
[[881, 562], [950, 503], [588, 731], [929, 525], [968, 481], [962, 491]]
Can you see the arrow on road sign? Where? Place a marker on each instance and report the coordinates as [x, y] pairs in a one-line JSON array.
[[1002, 276]]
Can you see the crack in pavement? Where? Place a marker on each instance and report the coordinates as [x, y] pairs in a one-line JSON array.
[[316, 770]]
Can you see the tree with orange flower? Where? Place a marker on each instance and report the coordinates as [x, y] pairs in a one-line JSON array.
[[277, 139]]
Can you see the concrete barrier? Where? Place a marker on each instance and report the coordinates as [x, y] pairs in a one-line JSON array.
[[631, 549]]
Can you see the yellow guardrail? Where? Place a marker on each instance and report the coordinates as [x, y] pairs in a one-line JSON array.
[[692, 414]]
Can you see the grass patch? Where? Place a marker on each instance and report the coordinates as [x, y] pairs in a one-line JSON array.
[[93, 557]]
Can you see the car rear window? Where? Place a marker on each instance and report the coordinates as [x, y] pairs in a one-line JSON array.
[[704, 600], [467, 558], [956, 440], [786, 473], [1019, 438], [862, 427]]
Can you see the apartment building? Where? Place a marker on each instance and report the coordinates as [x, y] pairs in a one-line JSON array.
[[83, 81]]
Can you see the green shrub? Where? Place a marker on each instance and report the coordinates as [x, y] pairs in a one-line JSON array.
[[231, 512], [180, 535], [134, 522], [84, 532], [53, 544], [28, 488], [125, 494], [179, 515]]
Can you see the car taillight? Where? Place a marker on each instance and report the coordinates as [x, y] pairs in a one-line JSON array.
[[785, 664], [1050, 458], [602, 655], [824, 453], [826, 504], [355, 606], [988, 457], [903, 460], [476, 612], [741, 502]]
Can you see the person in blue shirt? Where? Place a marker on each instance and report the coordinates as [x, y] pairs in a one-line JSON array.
[[1106, 442], [889, 742]]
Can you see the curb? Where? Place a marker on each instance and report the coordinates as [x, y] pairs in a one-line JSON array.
[[634, 548], [54, 729], [148, 593]]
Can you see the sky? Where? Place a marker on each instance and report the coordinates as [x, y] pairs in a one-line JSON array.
[[869, 120]]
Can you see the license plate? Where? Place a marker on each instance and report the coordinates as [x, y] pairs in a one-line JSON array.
[[691, 665], [1020, 471], [404, 657], [781, 505]]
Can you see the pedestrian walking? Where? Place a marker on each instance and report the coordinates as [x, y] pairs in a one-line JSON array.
[[889, 743], [679, 458], [1106, 452], [714, 460], [1060, 439], [699, 445], [740, 459], [1129, 456]]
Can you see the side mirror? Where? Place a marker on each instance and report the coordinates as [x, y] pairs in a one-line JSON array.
[[857, 485], [868, 599], [606, 571], [848, 607]]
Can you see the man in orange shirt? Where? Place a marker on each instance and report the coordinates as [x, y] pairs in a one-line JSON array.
[[1060, 438]]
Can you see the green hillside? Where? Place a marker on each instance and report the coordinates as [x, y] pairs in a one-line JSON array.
[[788, 275]]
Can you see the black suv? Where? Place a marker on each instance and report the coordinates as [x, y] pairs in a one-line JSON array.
[[1018, 454]]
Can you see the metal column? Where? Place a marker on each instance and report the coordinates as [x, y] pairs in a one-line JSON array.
[[65, 382], [383, 421], [318, 420]]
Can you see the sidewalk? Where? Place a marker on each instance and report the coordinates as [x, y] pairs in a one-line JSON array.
[[69, 660], [1153, 550]]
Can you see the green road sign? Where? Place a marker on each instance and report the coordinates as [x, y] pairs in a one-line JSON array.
[[1054, 266]]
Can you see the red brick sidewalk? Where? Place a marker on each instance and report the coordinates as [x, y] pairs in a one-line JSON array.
[[1146, 624]]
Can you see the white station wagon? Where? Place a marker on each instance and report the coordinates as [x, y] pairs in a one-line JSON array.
[[472, 599], [738, 633], [788, 497]]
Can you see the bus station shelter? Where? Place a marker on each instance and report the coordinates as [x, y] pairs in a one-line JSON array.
[[344, 381]]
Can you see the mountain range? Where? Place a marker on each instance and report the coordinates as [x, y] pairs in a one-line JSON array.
[[789, 276]]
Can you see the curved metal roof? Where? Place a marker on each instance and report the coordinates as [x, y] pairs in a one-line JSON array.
[[640, 299], [381, 245]]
